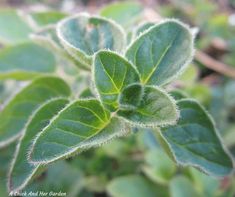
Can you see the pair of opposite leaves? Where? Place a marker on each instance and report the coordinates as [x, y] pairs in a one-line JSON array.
[[158, 56]]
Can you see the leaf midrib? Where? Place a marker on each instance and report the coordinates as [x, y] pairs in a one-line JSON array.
[[160, 59]]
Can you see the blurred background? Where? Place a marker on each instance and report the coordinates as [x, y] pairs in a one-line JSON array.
[[135, 166]]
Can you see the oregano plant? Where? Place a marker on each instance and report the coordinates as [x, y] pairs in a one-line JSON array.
[[127, 89]]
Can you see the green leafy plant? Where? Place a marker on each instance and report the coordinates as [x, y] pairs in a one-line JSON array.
[[127, 89]]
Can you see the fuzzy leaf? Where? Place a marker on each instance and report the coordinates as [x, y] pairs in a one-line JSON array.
[[162, 52], [156, 108], [79, 126], [111, 74], [18, 110], [131, 97], [13, 28], [21, 171], [83, 35], [25, 61], [194, 141]]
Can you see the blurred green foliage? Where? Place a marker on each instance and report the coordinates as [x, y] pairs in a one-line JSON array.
[[137, 166]]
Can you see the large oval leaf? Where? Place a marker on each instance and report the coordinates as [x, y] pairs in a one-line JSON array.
[[21, 171], [25, 61], [81, 125], [18, 110], [194, 141], [155, 109], [111, 74], [83, 35], [13, 29], [162, 52]]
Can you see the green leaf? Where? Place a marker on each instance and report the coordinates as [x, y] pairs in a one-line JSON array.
[[86, 93], [142, 28], [59, 177], [48, 38], [79, 126], [25, 61], [134, 186], [159, 167], [111, 74], [44, 18], [194, 141], [181, 186], [21, 171], [206, 185], [131, 96], [162, 52], [13, 28], [18, 110], [178, 94], [125, 13], [83, 35], [156, 108]]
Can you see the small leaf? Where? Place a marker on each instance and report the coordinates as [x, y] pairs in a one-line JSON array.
[[44, 18], [83, 35], [131, 97], [60, 179], [156, 108], [47, 37], [162, 52], [143, 27], [21, 172], [207, 185], [125, 13], [181, 186], [178, 94], [159, 167], [25, 61], [79, 126], [111, 74], [13, 29], [86, 93], [134, 186], [194, 141], [18, 110]]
